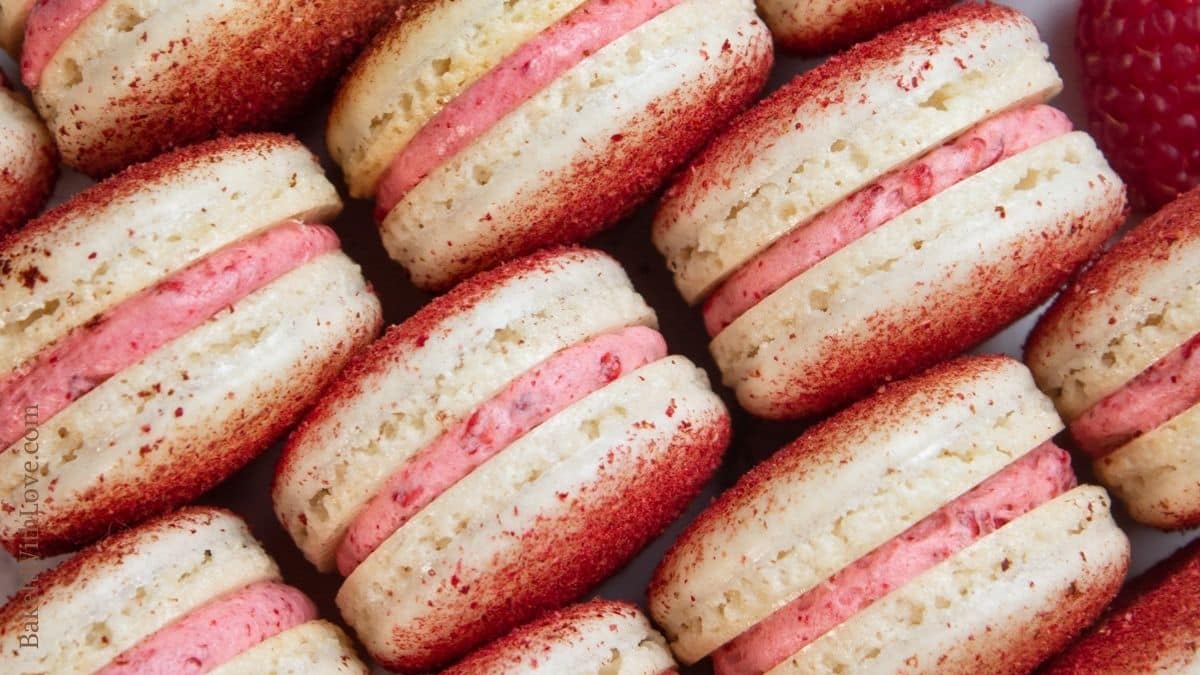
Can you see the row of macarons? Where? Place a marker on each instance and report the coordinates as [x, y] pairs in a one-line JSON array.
[[121, 81], [524, 435]]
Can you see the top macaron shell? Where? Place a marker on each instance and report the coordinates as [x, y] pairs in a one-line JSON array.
[[28, 160], [598, 637], [136, 79], [128, 448], [1137, 304], [821, 26], [571, 160]]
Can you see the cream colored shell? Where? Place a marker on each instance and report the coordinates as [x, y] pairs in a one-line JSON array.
[[1157, 475], [176, 566], [906, 463], [12, 24], [313, 648], [827, 151], [343, 461], [1045, 574]]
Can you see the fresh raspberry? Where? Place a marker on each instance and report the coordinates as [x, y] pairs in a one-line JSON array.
[[1141, 63]]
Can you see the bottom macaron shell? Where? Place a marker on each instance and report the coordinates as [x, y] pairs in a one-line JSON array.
[[28, 161], [595, 638], [1001, 606], [183, 419], [313, 648], [930, 284], [541, 523], [1157, 475]]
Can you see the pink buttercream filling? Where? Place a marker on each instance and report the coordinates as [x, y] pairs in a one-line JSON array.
[[127, 333], [1164, 390], [537, 395], [989, 143], [49, 25], [216, 632], [1033, 480], [515, 80]]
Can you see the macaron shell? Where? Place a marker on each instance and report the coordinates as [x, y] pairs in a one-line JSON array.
[[429, 55], [1001, 606], [12, 24], [767, 541], [588, 148], [597, 638], [129, 232], [435, 369], [541, 523], [163, 74], [28, 161], [837, 128], [820, 26], [1157, 475], [161, 432], [1151, 628], [105, 600], [1138, 303], [926, 286], [313, 648]]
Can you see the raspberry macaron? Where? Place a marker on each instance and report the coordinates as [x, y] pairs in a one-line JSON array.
[[931, 528], [1153, 627], [886, 211], [192, 592], [487, 129], [1119, 353], [822, 26], [496, 456], [119, 82], [594, 638], [160, 329], [28, 160]]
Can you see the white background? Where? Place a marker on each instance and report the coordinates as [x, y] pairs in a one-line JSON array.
[[247, 491]]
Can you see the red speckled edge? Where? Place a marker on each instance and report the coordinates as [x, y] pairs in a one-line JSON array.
[[1155, 619], [808, 36]]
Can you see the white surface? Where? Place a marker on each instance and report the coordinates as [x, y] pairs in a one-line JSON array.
[[247, 491]]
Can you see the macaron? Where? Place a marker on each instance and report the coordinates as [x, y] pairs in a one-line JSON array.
[[486, 129], [28, 160], [160, 330], [12, 24], [1119, 352], [120, 82], [822, 26], [595, 638], [931, 528], [1153, 627], [888, 210], [192, 592], [496, 456]]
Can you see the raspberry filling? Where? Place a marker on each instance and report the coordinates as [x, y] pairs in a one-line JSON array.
[[1031, 481], [537, 395], [49, 25], [984, 146], [1158, 394], [121, 337], [517, 78], [216, 632]]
